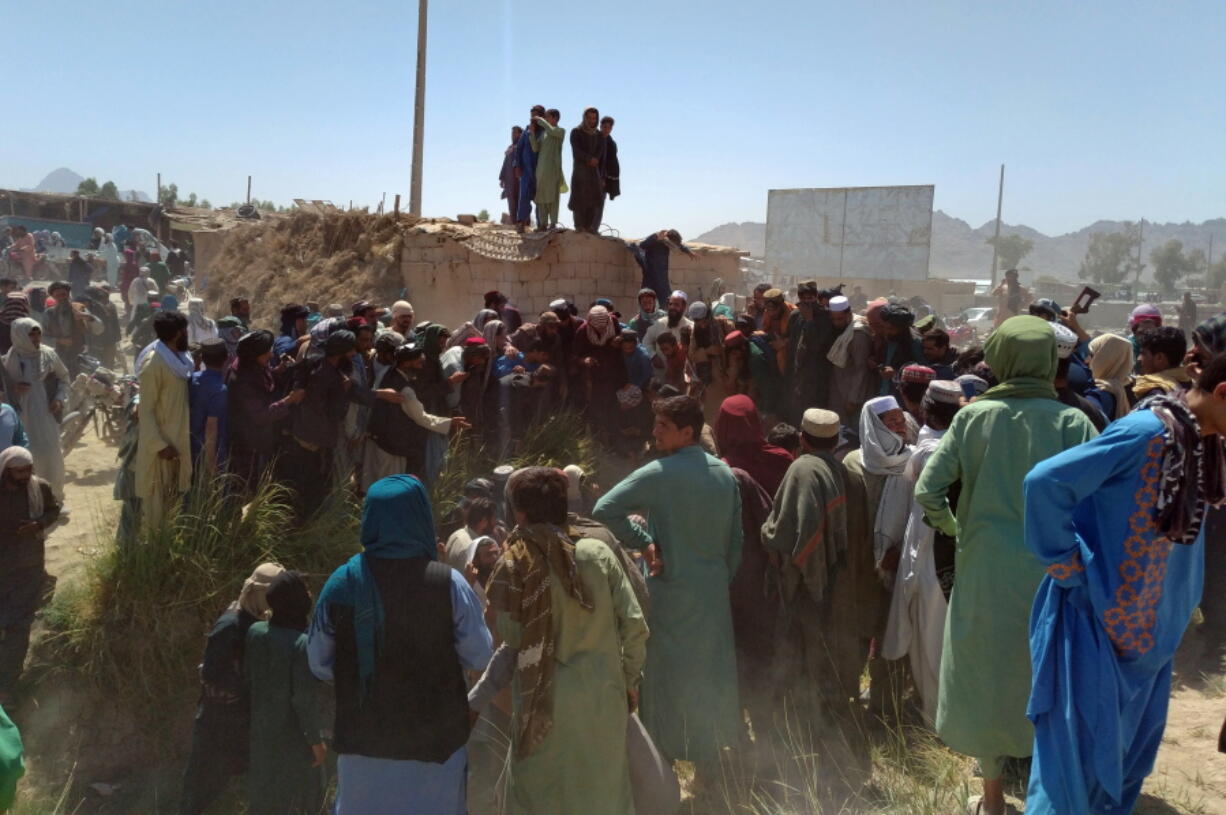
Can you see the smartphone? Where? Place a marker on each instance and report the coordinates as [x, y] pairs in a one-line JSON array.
[[1084, 300]]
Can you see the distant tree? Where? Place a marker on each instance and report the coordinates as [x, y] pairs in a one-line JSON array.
[[191, 200], [1199, 264], [88, 187], [1170, 264], [1010, 249], [169, 195], [132, 196], [204, 204], [1111, 257], [109, 191], [1217, 273], [483, 215]]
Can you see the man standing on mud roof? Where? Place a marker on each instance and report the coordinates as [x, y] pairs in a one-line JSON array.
[[506, 176], [525, 168], [550, 183], [610, 171], [587, 146]]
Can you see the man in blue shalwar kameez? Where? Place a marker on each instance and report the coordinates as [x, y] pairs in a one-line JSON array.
[[1119, 521], [524, 163]]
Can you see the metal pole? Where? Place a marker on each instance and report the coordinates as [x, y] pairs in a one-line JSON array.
[[158, 198], [1136, 281], [248, 189], [1000, 199], [419, 111]]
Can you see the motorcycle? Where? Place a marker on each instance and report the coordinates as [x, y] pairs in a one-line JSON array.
[[97, 396]]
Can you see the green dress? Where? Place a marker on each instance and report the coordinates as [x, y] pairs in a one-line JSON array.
[[284, 722], [12, 767], [693, 508], [985, 666], [582, 765], [550, 182]]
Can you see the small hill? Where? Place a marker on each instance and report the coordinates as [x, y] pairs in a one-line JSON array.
[[64, 181]]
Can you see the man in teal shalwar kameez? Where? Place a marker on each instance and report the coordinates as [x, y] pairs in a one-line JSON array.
[[990, 447], [692, 504]]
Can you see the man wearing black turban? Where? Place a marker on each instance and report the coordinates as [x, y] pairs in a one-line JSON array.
[[315, 423], [901, 346], [255, 416]]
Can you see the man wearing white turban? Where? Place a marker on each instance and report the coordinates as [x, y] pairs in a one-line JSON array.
[[35, 382], [27, 508]]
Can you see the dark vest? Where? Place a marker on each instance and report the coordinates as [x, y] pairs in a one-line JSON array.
[[416, 705], [394, 431]]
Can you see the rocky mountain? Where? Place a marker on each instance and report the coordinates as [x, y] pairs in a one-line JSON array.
[[65, 181], [960, 251]]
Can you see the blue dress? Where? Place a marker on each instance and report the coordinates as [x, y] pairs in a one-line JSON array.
[[1107, 618]]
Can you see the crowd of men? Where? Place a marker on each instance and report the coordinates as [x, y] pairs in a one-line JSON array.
[[532, 174], [817, 491]]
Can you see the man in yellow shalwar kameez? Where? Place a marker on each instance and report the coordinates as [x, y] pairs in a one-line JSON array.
[[163, 464]]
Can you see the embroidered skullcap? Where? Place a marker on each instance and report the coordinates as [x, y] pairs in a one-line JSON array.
[[840, 303], [918, 373], [944, 390], [824, 424], [698, 310], [975, 384], [681, 294], [1066, 340]]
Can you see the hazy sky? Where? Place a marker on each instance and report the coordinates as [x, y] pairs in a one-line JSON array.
[[1099, 109]]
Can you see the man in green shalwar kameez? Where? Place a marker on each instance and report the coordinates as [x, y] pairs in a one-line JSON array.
[[550, 182], [690, 703], [990, 447]]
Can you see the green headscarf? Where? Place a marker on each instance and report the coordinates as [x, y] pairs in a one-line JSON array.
[[432, 344], [1022, 355]]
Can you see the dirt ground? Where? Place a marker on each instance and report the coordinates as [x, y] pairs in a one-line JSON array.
[[90, 478], [1189, 777]]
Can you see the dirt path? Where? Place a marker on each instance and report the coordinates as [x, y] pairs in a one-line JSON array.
[[91, 511]]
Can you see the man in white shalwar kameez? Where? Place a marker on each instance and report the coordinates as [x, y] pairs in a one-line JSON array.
[[916, 624]]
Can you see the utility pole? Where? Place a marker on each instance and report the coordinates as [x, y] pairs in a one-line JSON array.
[[158, 199], [1000, 199], [1136, 281], [419, 111], [248, 189]]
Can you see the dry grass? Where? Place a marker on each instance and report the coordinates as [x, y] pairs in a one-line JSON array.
[[328, 258]]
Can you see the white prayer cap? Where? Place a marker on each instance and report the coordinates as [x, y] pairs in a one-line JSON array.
[[560, 303], [574, 478], [882, 404], [1066, 340], [824, 424], [402, 307], [681, 294], [839, 303]]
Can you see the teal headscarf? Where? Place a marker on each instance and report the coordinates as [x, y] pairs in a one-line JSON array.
[[1022, 355], [397, 523]]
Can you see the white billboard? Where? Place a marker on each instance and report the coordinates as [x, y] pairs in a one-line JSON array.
[[880, 233]]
